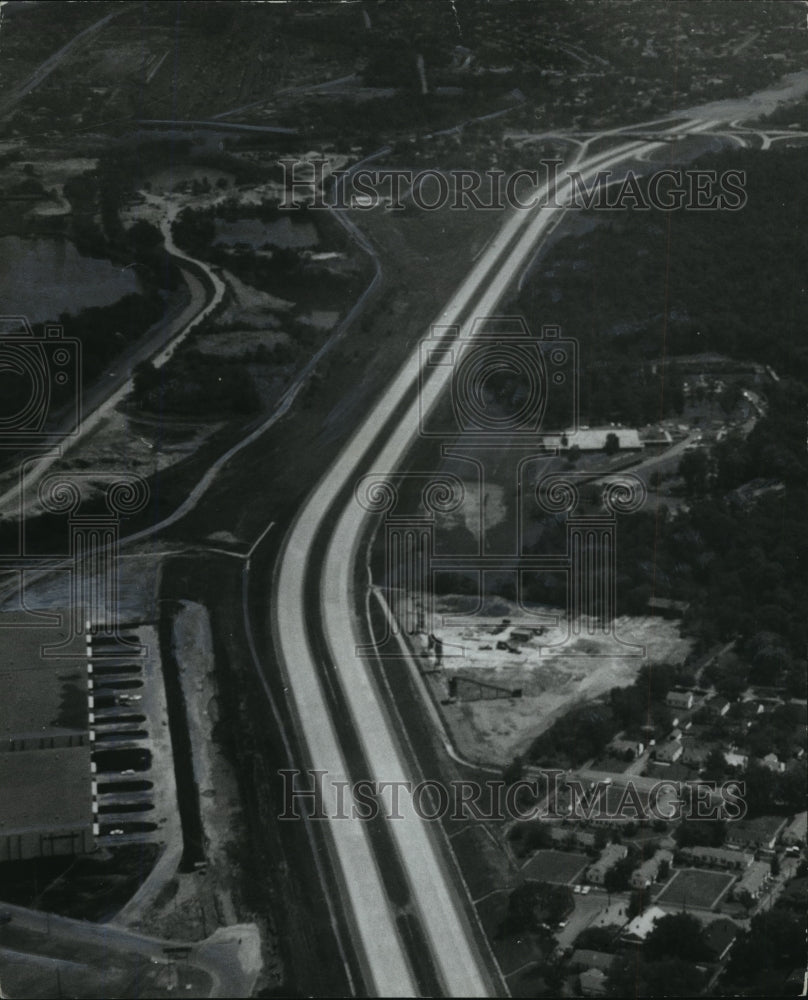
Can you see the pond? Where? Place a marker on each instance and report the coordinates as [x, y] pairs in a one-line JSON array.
[[42, 277]]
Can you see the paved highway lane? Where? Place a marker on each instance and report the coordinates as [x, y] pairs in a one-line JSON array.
[[380, 444], [44, 70]]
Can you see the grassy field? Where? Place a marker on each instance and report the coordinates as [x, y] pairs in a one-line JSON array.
[[555, 866], [695, 887]]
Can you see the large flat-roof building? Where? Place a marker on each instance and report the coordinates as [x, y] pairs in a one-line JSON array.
[[46, 808], [46, 805]]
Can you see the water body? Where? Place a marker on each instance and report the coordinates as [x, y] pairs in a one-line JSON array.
[[279, 233], [41, 278]]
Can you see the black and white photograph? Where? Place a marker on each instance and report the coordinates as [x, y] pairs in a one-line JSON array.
[[403, 491]]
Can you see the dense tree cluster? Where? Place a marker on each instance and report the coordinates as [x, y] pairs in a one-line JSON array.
[[585, 730], [201, 386], [634, 976], [725, 288], [677, 935], [763, 956], [533, 906]]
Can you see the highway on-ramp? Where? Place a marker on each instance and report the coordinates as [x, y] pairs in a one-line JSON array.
[[414, 935]]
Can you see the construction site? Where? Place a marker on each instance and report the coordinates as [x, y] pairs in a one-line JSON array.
[[502, 682]]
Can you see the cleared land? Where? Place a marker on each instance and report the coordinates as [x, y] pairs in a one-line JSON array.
[[494, 731]]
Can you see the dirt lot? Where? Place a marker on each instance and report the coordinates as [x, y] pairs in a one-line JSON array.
[[551, 679]]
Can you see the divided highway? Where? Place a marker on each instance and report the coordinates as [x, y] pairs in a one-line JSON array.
[[411, 926]]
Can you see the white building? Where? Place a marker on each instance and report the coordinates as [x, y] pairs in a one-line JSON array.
[[640, 927]]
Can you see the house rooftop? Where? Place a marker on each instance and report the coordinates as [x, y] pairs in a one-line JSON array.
[[586, 958], [760, 830], [718, 936], [753, 878], [641, 926]]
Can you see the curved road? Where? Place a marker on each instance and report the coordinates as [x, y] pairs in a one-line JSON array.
[[316, 645]]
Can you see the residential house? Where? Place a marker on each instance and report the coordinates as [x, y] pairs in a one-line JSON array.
[[695, 752], [718, 857], [752, 882], [586, 958], [773, 763], [610, 855], [717, 706], [560, 834], [679, 699], [641, 926], [797, 830], [756, 834], [626, 748], [646, 874], [670, 752], [719, 937], [626, 803], [735, 759], [593, 983]]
